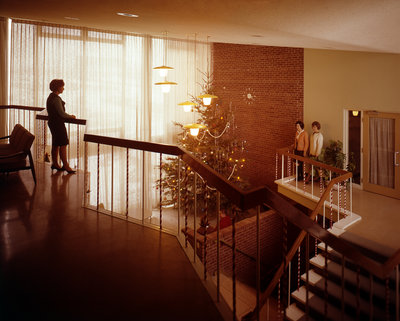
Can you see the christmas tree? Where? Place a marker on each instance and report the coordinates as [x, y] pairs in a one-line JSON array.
[[216, 145]]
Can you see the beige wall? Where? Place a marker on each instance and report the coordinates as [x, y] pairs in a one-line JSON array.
[[335, 80]]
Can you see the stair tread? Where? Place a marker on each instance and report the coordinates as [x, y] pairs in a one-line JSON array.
[[294, 313], [317, 304], [335, 290], [350, 276]]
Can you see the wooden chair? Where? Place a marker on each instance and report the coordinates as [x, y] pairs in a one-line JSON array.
[[13, 154]]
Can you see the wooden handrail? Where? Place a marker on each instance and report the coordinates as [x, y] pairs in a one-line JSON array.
[[77, 121], [264, 195], [21, 107], [286, 152]]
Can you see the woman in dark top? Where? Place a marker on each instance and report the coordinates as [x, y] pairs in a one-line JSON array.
[[57, 115]]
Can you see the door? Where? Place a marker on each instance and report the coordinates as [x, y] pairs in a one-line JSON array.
[[381, 153]]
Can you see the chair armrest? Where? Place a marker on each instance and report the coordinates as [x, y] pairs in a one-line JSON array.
[[12, 155], [5, 137]]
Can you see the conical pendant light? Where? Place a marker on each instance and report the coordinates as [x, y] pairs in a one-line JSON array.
[[194, 128], [187, 105], [163, 70], [207, 97]]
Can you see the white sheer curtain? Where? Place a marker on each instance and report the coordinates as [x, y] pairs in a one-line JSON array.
[[381, 153], [109, 81], [3, 74]]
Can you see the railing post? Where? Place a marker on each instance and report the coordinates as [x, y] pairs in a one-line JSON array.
[[112, 179], [258, 263], [218, 244], [161, 165], [234, 263], [143, 185], [77, 147], [98, 177], [194, 216], [179, 195], [205, 230], [127, 183], [186, 204]]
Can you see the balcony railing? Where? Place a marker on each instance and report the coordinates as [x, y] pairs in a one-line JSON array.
[[254, 199], [295, 255]]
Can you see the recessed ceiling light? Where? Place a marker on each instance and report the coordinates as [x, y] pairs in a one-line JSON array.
[[256, 36], [130, 15], [72, 18]]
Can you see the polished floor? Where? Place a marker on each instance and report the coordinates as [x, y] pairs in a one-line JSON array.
[[59, 261]]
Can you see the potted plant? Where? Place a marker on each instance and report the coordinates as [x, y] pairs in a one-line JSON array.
[[333, 155]]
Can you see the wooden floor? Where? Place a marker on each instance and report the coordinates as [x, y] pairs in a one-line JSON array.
[[59, 261]]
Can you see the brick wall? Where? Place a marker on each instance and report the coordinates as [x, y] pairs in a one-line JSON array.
[[274, 76], [270, 247]]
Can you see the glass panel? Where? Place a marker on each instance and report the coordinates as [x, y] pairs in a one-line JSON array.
[[381, 151]]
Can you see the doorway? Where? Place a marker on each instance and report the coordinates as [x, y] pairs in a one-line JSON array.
[[354, 143], [381, 153]]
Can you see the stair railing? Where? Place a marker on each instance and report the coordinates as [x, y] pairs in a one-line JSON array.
[[243, 200]]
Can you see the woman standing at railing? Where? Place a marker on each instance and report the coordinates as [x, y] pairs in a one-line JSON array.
[[56, 112], [301, 143]]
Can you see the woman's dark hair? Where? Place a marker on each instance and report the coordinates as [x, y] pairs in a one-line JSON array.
[[316, 124], [56, 83], [300, 123]]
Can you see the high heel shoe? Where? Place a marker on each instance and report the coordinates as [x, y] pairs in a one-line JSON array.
[[69, 171], [56, 168]]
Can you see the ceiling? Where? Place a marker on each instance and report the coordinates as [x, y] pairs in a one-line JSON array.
[[361, 25]]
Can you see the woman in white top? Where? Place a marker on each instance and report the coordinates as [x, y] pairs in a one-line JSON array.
[[316, 142]]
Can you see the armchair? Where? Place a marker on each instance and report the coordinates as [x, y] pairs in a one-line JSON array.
[[13, 154]]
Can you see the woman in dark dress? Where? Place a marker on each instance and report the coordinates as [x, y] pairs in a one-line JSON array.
[[57, 115]]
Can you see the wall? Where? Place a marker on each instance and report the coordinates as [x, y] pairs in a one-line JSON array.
[[334, 80], [270, 247], [274, 78]]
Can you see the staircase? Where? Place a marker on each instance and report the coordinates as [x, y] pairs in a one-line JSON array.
[[347, 293]]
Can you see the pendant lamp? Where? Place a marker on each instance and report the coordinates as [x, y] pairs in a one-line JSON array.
[[194, 128], [207, 97]]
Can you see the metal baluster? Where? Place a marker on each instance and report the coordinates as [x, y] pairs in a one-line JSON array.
[[358, 293], [112, 179], [304, 177], [298, 267], [331, 208], [289, 166], [258, 263], [179, 195], [326, 283], [371, 297], [387, 297], [307, 259], [194, 217], [218, 244], [312, 180], [143, 185], [284, 252], [297, 171], [345, 199], [351, 197], [342, 280], [127, 183], [397, 293], [234, 263], [161, 165], [77, 146], [98, 176], [276, 166], [339, 201], [279, 300], [205, 231], [186, 204], [283, 167]]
